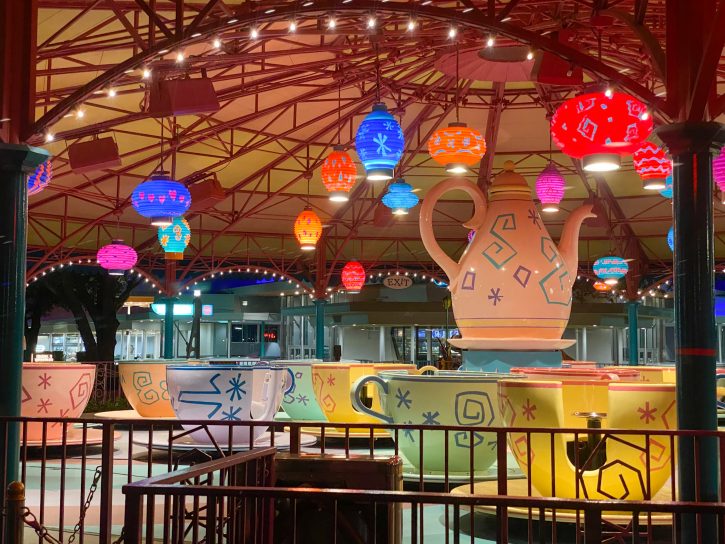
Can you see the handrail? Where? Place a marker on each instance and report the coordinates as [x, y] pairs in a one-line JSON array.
[[424, 497]]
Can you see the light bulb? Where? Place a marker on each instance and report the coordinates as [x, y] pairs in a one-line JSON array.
[[180, 56], [80, 114], [411, 25], [608, 92], [331, 23], [146, 73], [217, 43], [111, 93], [49, 136], [371, 22], [254, 33], [490, 41], [644, 116], [292, 26], [452, 32], [530, 55]]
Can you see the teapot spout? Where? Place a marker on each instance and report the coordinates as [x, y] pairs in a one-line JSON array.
[[569, 243]]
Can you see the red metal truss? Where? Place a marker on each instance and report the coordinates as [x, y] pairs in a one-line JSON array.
[[97, 46]]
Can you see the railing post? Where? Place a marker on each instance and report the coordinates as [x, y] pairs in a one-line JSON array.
[[106, 508], [14, 508], [132, 516], [502, 477], [592, 525]]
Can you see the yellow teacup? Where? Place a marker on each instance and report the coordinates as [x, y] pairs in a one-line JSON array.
[[332, 383]]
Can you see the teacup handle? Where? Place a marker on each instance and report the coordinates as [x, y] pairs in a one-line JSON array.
[[272, 408], [291, 381], [424, 369], [356, 396]]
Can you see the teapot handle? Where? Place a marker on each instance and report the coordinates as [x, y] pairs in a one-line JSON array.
[[449, 266]]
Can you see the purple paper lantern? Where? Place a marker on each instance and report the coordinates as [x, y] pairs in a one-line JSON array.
[[38, 180], [550, 188], [117, 257]]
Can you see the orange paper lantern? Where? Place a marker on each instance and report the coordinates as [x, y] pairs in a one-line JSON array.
[[601, 286], [338, 174], [353, 276], [456, 147], [308, 229]]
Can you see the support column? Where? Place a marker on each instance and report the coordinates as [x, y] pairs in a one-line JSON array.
[[261, 340], [320, 328], [15, 162], [690, 145], [632, 323], [169, 328]]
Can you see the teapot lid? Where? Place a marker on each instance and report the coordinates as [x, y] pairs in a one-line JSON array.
[[509, 184]]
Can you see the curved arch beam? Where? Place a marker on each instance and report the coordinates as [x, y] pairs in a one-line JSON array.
[[655, 51], [473, 19], [299, 284]]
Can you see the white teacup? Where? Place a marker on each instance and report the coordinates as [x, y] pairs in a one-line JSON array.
[[227, 393]]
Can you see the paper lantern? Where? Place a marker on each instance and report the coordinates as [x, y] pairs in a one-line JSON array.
[[308, 229], [550, 188], [610, 269], [400, 197], [353, 276], [379, 143], [601, 127], [667, 191], [471, 234], [653, 165], [671, 238], [718, 169], [601, 286], [161, 199], [117, 257], [174, 238], [456, 147], [338, 174], [39, 180]]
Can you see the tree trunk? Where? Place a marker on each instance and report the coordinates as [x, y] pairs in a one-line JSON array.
[[84, 327]]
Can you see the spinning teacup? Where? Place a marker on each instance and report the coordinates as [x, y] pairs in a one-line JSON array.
[[144, 385], [332, 382], [54, 390], [227, 393], [467, 399], [300, 402]]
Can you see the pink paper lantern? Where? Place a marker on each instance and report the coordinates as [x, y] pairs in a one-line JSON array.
[[718, 169], [117, 257], [550, 188]]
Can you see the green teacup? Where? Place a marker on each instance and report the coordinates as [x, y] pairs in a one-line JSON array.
[[300, 402], [445, 398]]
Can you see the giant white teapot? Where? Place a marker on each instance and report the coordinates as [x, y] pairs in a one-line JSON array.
[[512, 287]]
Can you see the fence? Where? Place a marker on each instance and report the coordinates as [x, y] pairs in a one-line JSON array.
[[74, 482]]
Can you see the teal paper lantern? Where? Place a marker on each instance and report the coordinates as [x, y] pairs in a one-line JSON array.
[[610, 269], [379, 143], [175, 238], [667, 191], [400, 197]]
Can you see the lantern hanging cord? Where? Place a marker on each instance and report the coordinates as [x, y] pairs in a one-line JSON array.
[[377, 72], [339, 106], [457, 95]]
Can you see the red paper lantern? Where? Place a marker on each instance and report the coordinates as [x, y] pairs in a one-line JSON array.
[[338, 174], [653, 165], [353, 276], [308, 229], [456, 147], [601, 127]]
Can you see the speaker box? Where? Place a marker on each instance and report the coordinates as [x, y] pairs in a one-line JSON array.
[[169, 97], [93, 155], [206, 194], [551, 69]]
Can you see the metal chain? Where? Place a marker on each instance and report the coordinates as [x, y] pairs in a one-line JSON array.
[[87, 504], [30, 519]]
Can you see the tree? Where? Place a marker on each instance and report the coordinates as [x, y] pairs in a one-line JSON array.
[[39, 302], [97, 295]]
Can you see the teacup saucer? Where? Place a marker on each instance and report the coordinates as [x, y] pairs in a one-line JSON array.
[[512, 344], [357, 434], [126, 415]]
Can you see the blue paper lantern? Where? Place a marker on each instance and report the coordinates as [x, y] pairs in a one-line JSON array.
[[667, 191], [161, 199], [671, 238], [379, 143], [39, 180], [610, 269], [174, 238], [400, 197]]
